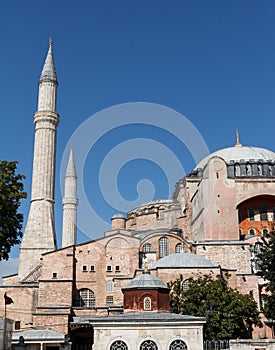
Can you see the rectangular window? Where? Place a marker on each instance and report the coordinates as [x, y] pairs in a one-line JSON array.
[[54, 275], [84, 268], [17, 325], [92, 269], [109, 300], [117, 268], [109, 268]]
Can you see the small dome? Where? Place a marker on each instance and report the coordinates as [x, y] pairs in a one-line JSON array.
[[237, 153], [184, 260], [145, 281], [118, 216]]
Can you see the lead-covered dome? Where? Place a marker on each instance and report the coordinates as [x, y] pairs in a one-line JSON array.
[[146, 281], [185, 260], [238, 153]]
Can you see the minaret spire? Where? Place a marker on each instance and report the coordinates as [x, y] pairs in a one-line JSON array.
[[39, 236], [238, 144], [69, 203], [48, 72]]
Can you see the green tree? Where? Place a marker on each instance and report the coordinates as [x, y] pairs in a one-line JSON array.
[[11, 193], [266, 268], [229, 314]]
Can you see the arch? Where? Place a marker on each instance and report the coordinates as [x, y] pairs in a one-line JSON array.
[[84, 298], [118, 345], [163, 247], [117, 242], [178, 344]]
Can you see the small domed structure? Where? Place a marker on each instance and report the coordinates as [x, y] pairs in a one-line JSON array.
[[146, 292], [146, 281], [118, 221]]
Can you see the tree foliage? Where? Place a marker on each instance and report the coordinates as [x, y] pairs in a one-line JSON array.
[[266, 269], [229, 314], [11, 193]]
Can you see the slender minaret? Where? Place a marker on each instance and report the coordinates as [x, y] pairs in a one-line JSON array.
[[70, 203], [39, 236]]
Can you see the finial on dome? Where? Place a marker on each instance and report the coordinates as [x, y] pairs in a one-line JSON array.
[[50, 42], [238, 144]]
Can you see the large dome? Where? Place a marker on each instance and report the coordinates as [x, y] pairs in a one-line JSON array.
[[237, 153]]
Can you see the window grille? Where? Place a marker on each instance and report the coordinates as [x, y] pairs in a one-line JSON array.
[[109, 286], [119, 345], [179, 248], [147, 248], [163, 247], [109, 300], [178, 344], [148, 345], [84, 298], [147, 303]]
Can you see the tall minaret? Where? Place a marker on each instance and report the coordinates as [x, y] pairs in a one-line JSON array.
[[70, 203], [39, 236]]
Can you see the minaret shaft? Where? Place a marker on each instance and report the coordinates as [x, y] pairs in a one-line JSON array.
[[39, 236], [69, 203]]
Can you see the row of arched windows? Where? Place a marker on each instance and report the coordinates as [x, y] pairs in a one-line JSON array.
[[149, 344], [163, 247]]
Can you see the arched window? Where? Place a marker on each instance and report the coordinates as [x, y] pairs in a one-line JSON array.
[[148, 345], [252, 231], [147, 248], [147, 303], [118, 345], [163, 247], [178, 344], [185, 284], [109, 286], [84, 298], [179, 248]]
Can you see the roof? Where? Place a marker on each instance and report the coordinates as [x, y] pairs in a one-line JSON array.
[[48, 71], [137, 316], [38, 334], [245, 153], [185, 260], [146, 281], [118, 216]]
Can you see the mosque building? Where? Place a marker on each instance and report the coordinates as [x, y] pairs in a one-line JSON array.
[[95, 290]]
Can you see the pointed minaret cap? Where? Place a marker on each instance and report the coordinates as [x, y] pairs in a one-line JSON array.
[[48, 71], [238, 144], [71, 172]]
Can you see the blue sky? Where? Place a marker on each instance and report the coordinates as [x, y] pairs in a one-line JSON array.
[[211, 61]]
